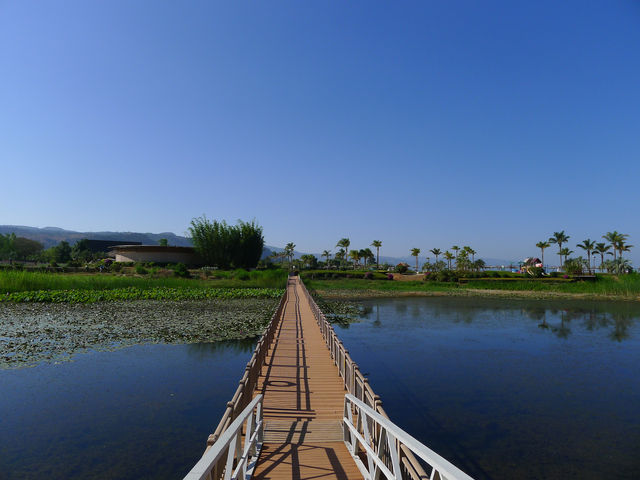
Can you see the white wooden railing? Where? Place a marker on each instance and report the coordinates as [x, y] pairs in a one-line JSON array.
[[368, 432], [240, 459]]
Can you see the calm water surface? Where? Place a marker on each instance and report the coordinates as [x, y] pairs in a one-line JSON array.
[[509, 389], [139, 412]]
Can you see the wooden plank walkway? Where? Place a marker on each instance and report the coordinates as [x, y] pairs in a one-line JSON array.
[[303, 401]]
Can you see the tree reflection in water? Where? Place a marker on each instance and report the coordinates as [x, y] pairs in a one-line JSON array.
[[204, 350]]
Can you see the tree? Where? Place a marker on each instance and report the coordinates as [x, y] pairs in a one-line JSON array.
[[289, 249], [449, 256], [602, 248], [542, 245], [344, 243], [25, 248], [588, 245], [62, 252], [367, 255], [436, 252], [163, 242], [377, 244], [7, 246], [564, 252], [309, 260], [617, 241], [355, 256], [472, 252], [223, 245], [81, 251], [456, 249], [559, 238], [478, 265], [414, 253], [327, 254]]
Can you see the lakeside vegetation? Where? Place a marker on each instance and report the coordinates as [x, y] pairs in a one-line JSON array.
[[612, 286], [27, 286]]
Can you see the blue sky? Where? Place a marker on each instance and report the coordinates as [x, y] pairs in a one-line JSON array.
[[421, 124]]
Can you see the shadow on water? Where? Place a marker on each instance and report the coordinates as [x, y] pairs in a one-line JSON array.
[[509, 389]]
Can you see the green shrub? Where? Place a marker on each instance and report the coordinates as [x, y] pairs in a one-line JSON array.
[[402, 268], [140, 270], [181, 270], [241, 274]]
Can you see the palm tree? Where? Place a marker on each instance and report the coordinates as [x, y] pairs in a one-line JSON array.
[[377, 244], [602, 248], [615, 238], [355, 255], [542, 246], [327, 254], [288, 250], [559, 238], [565, 252], [366, 254], [436, 252], [344, 244], [456, 249], [449, 256], [588, 245], [470, 251], [623, 247], [414, 253]]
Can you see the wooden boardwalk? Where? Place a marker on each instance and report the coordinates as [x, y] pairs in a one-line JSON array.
[[303, 401]]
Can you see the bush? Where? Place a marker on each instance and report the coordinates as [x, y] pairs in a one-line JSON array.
[[402, 268], [389, 276], [181, 270], [535, 272], [368, 276], [241, 274], [140, 270]]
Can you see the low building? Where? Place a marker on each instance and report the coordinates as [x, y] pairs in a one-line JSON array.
[[98, 246], [156, 254]]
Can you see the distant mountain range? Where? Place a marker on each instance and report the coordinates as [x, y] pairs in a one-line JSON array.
[[51, 236]]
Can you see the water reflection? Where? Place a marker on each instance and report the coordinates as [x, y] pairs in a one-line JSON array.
[[206, 350], [498, 385]]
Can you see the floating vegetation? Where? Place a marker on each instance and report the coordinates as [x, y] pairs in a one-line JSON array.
[[339, 311], [31, 333], [134, 293]]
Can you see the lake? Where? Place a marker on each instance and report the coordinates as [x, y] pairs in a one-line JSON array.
[[139, 412], [505, 389], [509, 388]]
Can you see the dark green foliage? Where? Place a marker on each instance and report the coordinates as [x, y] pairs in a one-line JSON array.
[[328, 274], [241, 274], [26, 248], [81, 251], [140, 270], [535, 272], [62, 252], [575, 266], [225, 246], [181, 270], [402, 268]]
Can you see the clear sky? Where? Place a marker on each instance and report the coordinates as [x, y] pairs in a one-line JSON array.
[[422, 124]]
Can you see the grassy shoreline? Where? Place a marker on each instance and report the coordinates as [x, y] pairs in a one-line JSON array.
[[22, 286], [626, 288]]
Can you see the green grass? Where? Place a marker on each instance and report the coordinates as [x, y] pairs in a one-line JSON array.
[[606, 285], [23, 281]]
